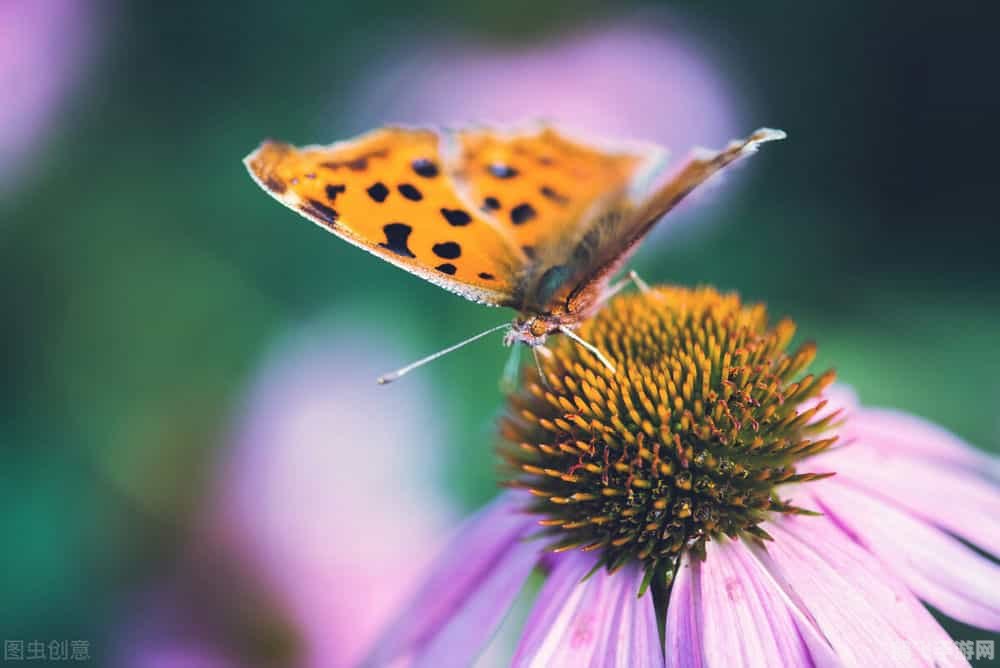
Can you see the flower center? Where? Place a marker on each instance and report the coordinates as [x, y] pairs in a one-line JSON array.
[[688, 439]]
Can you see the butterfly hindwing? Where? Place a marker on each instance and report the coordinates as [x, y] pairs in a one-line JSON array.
[[389, 192]]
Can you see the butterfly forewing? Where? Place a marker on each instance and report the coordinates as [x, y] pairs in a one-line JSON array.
[[389, 192], [540, 184]]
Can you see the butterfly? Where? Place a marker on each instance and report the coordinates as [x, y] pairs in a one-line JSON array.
[[533, 219]]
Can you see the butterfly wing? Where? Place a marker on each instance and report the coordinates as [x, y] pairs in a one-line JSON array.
[[572, 278], [534, 220], [547, 190], [389, 193]]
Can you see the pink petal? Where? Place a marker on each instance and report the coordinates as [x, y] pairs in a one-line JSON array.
[[745, 620], [935, 566], [469, 629], [899, 433], [633, 638], [598, 623], [953, 499], [838, 397], [867, 616], [683, 636], [727, 592], [469, 590]]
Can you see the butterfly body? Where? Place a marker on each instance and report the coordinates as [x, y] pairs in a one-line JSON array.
[[534, 330], [530, 219]]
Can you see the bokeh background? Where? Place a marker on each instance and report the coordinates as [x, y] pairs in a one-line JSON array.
[[196, 468]]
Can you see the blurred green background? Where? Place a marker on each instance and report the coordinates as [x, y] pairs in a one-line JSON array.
[[146, 276]]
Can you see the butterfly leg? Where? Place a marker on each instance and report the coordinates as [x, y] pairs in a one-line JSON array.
[[538, 365], [615, 288], [589, 346], [639, 283], [546, 353], [511, 370], [632, 278]]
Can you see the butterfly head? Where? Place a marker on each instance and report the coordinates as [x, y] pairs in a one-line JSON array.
[[532, 330]]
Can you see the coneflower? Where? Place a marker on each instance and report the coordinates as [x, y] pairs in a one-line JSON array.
[[684, 510]]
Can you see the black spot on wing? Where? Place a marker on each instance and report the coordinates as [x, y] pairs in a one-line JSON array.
[[447, 268], [529, 251], [502, 171], [486, 276], [491, 204], [358, 164], [456, 217], [554, 196], [449, 250], [522, 213], [378, 192], [274, 184], [396, 236], [410, 193], [333, 190], [425, 168], [319, 210]]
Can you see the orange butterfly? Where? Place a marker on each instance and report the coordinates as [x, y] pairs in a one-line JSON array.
[[532, 219]]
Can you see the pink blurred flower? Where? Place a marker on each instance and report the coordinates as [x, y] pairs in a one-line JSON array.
[[641, 78], [329, 482], [45, 47], [167, 628], [840, 589]]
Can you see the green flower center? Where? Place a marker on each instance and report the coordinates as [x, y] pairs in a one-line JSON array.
[[690, 438]]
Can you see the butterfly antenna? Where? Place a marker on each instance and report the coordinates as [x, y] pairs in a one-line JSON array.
[[589, 346], [395, 375]]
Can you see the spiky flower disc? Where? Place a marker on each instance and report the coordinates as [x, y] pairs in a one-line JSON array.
[[690, 437]]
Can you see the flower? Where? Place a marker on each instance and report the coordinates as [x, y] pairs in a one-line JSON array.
[[629, 84], [640, 76], [287, 566], [45, 49], [692, 486], [303, 454]]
